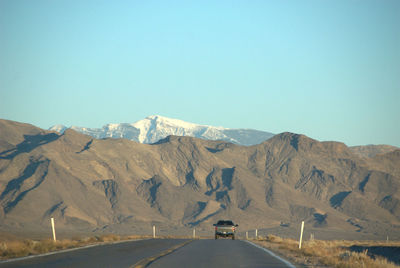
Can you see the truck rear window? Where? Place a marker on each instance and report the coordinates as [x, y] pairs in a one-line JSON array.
[[225, 223]]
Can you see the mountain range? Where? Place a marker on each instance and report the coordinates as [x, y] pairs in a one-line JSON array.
[[179, 183], [153, 128]]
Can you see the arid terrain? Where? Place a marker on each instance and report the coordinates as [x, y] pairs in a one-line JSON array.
[[121, 186]]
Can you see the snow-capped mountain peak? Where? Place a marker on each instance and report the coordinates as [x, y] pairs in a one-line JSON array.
[[156, 127], [58, 128]]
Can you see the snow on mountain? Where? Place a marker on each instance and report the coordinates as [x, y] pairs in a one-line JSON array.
[[124, 130], [58, 128], [155, 127]]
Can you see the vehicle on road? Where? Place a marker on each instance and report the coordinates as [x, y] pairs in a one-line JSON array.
[[225, 228]]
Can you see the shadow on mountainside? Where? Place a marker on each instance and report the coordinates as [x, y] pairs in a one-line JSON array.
[[17, 188], [391, 253], [29, 144]]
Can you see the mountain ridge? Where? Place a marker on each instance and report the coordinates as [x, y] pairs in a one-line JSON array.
[[155, 127], [118, 185], [145, 131]]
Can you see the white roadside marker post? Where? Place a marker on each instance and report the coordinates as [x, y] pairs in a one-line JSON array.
[[54, 229], [194, 233], [256, 234], [247, 235], [301, 234], [154, 231]]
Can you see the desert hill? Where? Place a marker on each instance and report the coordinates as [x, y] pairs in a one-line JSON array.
[[178, 183], [372, 150]]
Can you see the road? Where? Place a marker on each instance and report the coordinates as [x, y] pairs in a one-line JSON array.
[[198, 253], [123, 254], [218, 253]]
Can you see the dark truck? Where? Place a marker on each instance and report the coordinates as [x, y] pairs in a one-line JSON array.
[[225, 228]]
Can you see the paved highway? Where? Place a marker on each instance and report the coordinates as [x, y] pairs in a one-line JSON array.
[[198, 253], [219, 253], [123, 254]]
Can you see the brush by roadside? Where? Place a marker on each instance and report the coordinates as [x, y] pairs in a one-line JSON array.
[[334, 253], [26, 247], [14, 248]]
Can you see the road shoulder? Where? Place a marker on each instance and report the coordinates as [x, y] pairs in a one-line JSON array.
[[288, 263]]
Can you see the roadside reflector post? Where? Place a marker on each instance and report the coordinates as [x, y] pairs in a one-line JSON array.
[[54, 229], [301, 234], [256, 234], [247, 235], [154, 231], [194, 233]]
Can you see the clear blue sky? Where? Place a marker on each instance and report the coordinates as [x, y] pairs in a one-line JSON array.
[[329, 69]]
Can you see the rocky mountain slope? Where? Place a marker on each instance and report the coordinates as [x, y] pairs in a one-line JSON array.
[[372, 150], [153, 128], [120, 185]]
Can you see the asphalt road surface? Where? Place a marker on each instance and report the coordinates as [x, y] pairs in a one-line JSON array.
[[219, 253], [198, 253], [123, 254]]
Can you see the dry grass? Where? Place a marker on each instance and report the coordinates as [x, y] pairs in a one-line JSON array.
[[329, 253], [20, 248], [14, 248]]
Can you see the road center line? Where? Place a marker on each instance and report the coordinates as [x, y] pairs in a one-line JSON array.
[[145, 262]]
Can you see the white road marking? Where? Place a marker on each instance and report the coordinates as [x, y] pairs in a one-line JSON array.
[[272, 254], [65, 250]]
